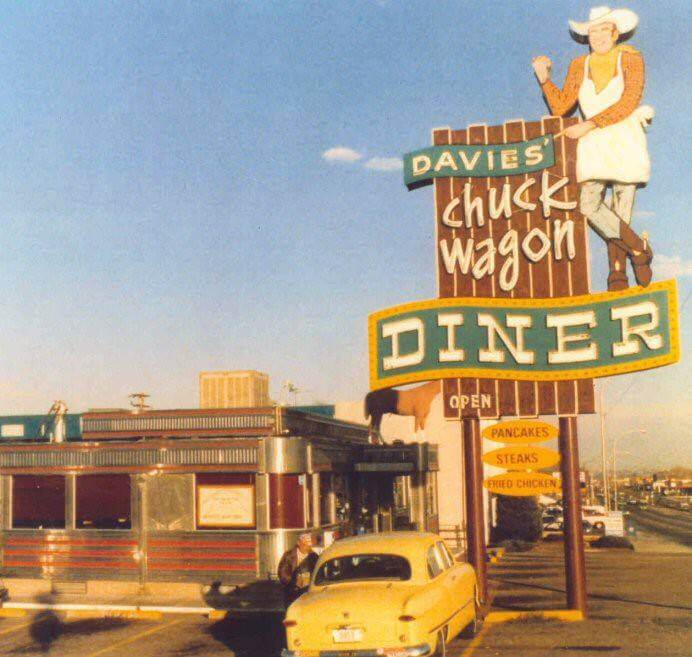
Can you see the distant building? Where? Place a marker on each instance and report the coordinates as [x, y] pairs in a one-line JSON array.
[[233, 389]]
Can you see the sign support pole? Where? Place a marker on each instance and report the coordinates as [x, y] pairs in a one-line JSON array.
[[475, 523], [575, 565]]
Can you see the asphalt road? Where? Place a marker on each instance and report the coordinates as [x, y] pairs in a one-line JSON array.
[[671, 523], [640, 605]]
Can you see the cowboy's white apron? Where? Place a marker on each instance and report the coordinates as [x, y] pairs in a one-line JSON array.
[[616, 152]]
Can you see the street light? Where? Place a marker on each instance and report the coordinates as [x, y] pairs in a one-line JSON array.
[[615, 476], [606, 495]]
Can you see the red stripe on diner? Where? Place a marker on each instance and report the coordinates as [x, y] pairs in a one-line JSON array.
[[67, 564], [202, 544], [65, 540], [64, 558], [179, 554], [250, 567], [66, 552]]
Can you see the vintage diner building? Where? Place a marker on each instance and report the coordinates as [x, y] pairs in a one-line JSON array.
[[203, 498]]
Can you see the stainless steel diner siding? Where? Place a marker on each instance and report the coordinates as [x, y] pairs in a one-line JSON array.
[[78, 555], [71, 555], [128, 458], [144, 423], [226, 556]]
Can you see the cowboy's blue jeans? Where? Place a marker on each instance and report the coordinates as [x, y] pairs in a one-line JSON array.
[[605, 215]]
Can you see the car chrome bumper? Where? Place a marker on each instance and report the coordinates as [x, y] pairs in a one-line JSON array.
[[410, 651]]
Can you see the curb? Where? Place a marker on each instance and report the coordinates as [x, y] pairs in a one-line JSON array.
[[130, 614], [565, 615], [141, 612]]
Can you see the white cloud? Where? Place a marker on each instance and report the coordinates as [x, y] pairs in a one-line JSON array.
[[384, 164], [671, 266], [341, 154], [347, 155]]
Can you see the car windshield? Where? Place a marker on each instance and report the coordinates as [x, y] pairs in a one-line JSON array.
[[358, 567]]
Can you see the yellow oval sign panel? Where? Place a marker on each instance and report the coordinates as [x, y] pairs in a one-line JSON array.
[[520, 431], [522, 457], [523, 484]]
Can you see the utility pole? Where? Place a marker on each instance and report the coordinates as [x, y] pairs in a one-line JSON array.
[[591, 493], [615, 477], [615, 473], [606, 493]]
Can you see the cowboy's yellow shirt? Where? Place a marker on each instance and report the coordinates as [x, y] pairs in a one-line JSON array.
[[563, 102]]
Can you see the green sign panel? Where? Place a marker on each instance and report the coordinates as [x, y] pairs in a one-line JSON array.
[[478, 161], [525, 339]]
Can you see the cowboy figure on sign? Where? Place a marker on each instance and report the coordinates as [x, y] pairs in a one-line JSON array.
[[611, 151]]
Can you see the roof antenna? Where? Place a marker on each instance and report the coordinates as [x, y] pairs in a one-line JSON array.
[[288, 389], [138, 401]]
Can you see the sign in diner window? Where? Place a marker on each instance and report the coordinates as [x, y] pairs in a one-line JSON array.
[[103, 501], [225, 501], [38, 502]]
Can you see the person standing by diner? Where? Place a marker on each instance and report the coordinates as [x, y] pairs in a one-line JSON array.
[[295, 568], [607, 84]]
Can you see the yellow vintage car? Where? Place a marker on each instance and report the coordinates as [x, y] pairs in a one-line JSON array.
[[395, 594]]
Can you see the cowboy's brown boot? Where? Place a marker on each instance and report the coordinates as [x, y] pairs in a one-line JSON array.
[[639, 251], [617, 259]]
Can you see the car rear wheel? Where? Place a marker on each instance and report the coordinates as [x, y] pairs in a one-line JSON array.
[[440, 647], [474, 627]]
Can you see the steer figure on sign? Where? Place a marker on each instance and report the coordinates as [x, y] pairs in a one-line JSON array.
[[414, 401], [607, 84]]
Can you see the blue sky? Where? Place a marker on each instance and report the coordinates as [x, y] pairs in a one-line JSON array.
[[167, 206]]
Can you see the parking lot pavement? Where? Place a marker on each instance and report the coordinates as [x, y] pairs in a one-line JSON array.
[[640, 605], [47, 634]]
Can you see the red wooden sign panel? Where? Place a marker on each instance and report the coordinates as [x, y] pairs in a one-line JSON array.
[[547, 277]]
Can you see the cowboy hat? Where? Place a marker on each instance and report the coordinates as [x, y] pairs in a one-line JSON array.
[[623, 19]]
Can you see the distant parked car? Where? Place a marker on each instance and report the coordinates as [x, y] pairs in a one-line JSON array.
[[596, 516], [558, 526], [395, 593], [553, 525]]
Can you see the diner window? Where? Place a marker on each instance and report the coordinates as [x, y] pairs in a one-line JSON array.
[[325, 499], [286, 501], [310, 506], [38, 502], [102, 501], [431, 493], [342, 497], [225, 500]]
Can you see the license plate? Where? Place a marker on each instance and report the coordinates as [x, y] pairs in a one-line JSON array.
[[347, 635]]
